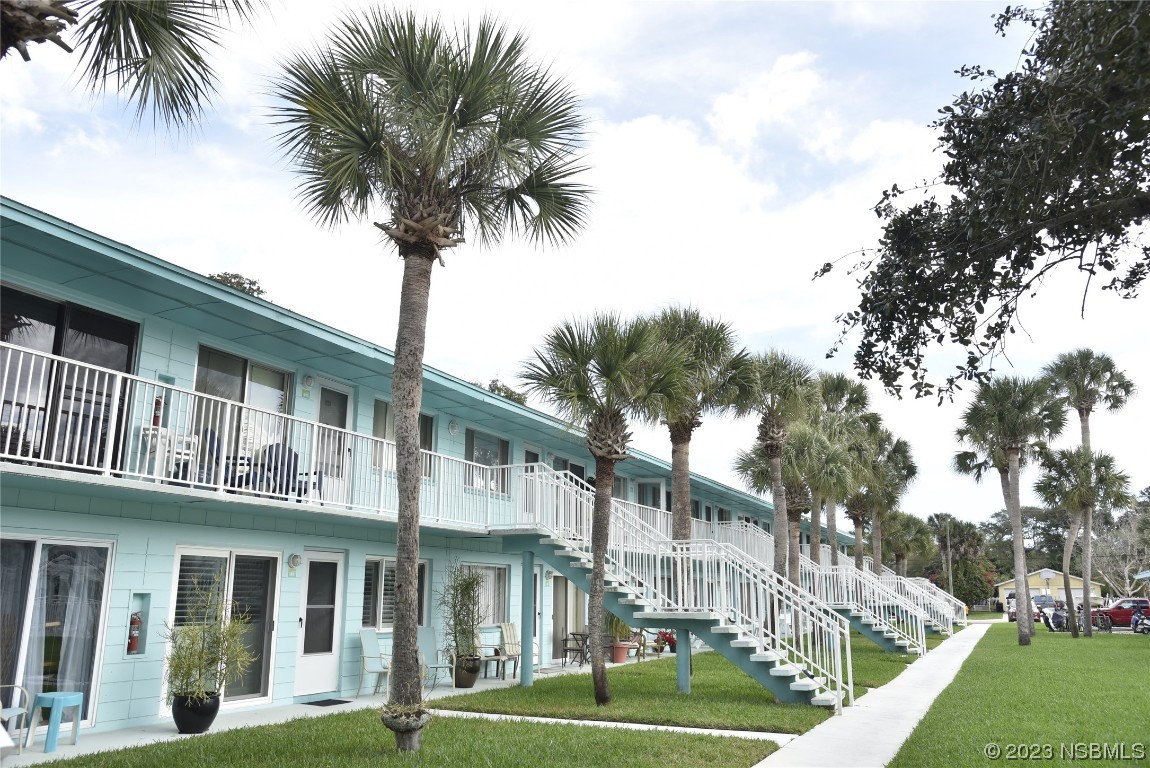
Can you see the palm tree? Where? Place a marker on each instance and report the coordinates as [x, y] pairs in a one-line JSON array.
[[858, 511], [1087, 380], [894, 471], [1006, 421], [940, 525], [802, 453], [844, 400], [1078, 480], [829, 480], [786, 394], [439, 131], [907, 535], [597, 373], [718, 379], [155, 51]]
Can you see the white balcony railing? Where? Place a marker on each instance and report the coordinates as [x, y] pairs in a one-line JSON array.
[[63, 414]]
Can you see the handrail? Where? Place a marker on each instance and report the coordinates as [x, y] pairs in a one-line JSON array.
[[838, 587], [702, 575], [938, 613], [957, 606], [65, 414]]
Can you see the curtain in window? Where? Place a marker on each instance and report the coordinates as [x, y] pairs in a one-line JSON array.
[[66, 620], [494, 592]]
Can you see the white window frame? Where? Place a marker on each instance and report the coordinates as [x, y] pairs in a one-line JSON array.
[[230, 555], [381, 561]]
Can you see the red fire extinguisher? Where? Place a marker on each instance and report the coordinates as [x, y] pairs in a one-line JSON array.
[[134, 632], [158, 412]]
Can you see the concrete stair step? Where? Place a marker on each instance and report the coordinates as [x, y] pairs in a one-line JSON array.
[[769, 654], [635, 601], [826, 699], [786, 670], [808, 683], [684, 615], [745, 642], [726, 629]]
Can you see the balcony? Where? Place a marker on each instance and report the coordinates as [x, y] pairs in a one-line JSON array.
[[61, 414]]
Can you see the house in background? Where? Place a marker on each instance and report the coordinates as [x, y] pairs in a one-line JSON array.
[[1049, 582], [160, 428]]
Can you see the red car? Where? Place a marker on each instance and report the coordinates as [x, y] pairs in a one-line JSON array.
[[1120, 610]]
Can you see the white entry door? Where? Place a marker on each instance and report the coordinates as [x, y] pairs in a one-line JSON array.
[[320, 624]]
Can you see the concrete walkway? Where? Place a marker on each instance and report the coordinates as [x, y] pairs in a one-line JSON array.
[[869, 734]]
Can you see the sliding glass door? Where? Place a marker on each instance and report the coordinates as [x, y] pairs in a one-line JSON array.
[[53, 603]]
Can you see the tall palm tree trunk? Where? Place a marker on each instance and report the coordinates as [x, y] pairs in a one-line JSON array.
[[876, 543], [832, 529], [794, 533], [680, 484], [779, 499], [407, 391], [858, 542], [1021, 586], [600, 535], [816, 528], [1084, 425], [1067, 552], [1087, 535]]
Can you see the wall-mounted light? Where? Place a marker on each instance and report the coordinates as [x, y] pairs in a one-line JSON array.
[[453, 427], [308, 381], [294, 560]]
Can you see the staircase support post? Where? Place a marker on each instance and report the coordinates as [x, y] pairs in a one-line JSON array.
[[527, 621], [683, 659]]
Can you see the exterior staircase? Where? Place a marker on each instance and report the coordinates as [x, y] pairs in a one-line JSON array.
[[879, 613], [780, 635]]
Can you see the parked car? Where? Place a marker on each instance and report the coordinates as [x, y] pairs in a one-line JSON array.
[[1120, 610], [1044, 602], [1012, 613]]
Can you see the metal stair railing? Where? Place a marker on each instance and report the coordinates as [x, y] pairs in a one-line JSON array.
[[721, 578], [847, 585], [700, 576], [873, 599], [937, 613], [956, 606]]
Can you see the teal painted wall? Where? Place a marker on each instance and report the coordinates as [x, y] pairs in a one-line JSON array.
[[145, 538]]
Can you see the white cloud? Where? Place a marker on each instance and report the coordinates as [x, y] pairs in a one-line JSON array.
[[780, 96]]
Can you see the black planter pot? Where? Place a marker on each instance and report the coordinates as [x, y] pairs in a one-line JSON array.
[[466, 672], [194, 715]]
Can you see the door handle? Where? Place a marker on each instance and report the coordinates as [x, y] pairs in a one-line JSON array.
[[301, 622]]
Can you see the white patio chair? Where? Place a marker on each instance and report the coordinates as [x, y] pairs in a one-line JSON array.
[[373, 661], [11, 709]]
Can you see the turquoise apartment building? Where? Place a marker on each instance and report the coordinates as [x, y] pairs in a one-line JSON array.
[[159, 427]]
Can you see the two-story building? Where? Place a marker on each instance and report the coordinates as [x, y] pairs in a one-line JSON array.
[[160, 428]]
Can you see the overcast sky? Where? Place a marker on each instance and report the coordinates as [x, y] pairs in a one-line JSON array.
[[734, 148]]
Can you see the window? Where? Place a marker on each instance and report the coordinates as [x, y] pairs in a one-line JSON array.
[[493, 597], [58, 590], [488, 451], [249, 581], [695, 510], [238, 380], [379, 593], [383, 428], [58, 411], [619, 488], [724, 515], [650, 493]]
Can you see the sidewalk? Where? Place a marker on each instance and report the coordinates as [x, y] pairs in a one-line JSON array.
[[869, 734]]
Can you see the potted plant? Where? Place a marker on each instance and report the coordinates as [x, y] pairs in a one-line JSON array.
[[461, 600], [621, 633], [206, 650]]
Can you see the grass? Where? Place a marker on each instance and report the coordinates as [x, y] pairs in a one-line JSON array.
[[722, 696], [358, 739], [984, 615], [1057, 691]]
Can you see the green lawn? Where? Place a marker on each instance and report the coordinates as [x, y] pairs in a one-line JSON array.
[[984, 615], [359, 740], [722, 696], [1029, 702]]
